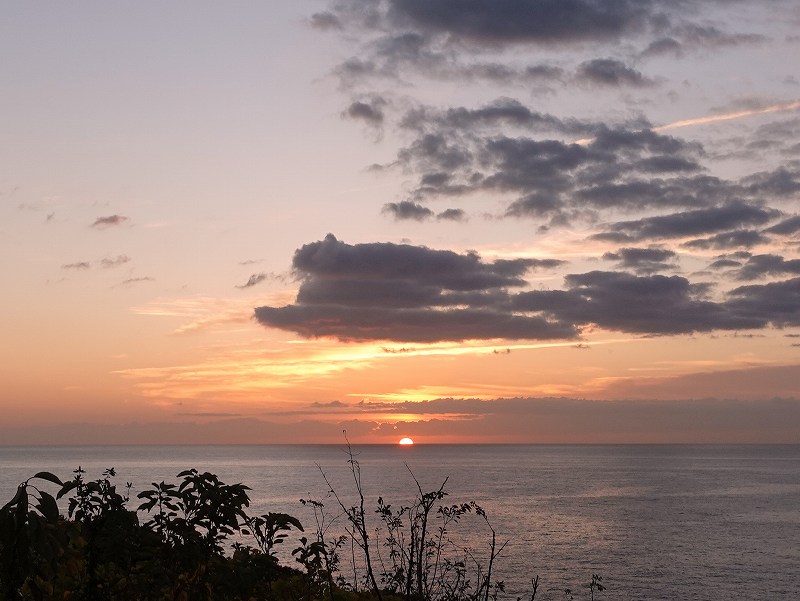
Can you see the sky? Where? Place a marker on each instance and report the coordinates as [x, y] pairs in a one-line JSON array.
[[472, 221]]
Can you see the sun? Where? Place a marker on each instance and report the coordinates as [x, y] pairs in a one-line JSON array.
[[406, 441]]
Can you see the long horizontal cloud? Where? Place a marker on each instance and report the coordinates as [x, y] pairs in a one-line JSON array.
[[383, 291], [109, 221], [696, 222], [420, 35], [760, 266], [643, 260], [530, 420], [654, 304]]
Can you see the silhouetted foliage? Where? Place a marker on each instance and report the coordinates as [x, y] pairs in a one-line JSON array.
[[178, 545]]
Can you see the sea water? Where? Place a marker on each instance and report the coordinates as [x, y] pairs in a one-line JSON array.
[[705, 522]]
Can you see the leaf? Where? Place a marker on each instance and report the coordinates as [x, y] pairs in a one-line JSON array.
[[17, 498], [48, 507], [68, 486], [50, 477], [147, 506]]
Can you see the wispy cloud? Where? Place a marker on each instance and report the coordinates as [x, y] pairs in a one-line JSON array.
[[774, 108], [80, 265], [109, 221], [137, 280], [254, 279], [111, 262]]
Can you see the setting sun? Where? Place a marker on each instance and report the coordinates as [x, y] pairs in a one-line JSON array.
[[406, 441]]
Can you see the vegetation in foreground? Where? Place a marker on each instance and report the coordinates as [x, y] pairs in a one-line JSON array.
[[184, 542]]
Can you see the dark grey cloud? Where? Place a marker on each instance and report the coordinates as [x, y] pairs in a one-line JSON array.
[[509, 149], [109, 221], [410, 325], [634, 186], [734, 239], [724, 264], [403, 293], [780, 135], [325, 21], [664, 46], [557, 180], [786, 227], [776, 303], [502, 111], [332, 258], [504, 21], [452, 215], [447, 38], [696, 222], [643, 260], [780, 183], [254, 280], [407, 209], [369, 110], [611, 72], [759, 266], [653, 305], [708, 36], [462, 151], [691, 37], [384, 291]]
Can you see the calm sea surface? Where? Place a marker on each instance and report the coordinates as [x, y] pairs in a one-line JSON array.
[[657, 522]]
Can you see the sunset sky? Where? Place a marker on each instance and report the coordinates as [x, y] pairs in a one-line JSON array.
[[455, 220]]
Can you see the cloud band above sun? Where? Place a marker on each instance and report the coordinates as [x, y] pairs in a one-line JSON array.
[[404, 293]]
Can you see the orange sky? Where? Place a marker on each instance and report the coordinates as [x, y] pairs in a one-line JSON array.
[[272, 224]]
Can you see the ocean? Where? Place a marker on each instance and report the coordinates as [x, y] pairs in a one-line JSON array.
[[705, 522]]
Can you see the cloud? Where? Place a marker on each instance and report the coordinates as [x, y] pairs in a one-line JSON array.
[[734, 239], [368, 110], [80, 265], [611, 72], [777, 303], [449, 38], [452, 215], [653, 304], [724, 263], [502, 111], [385, 291], [624, 180], [664, 46], [254, 279], [643, 260], [615, 169], [110, 221], [709, 36], [512, 21], [676, 419], [696, 222], [786, 227], [406, 209], [110, 262], [131, 281], [325, 21], [759, 266]]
